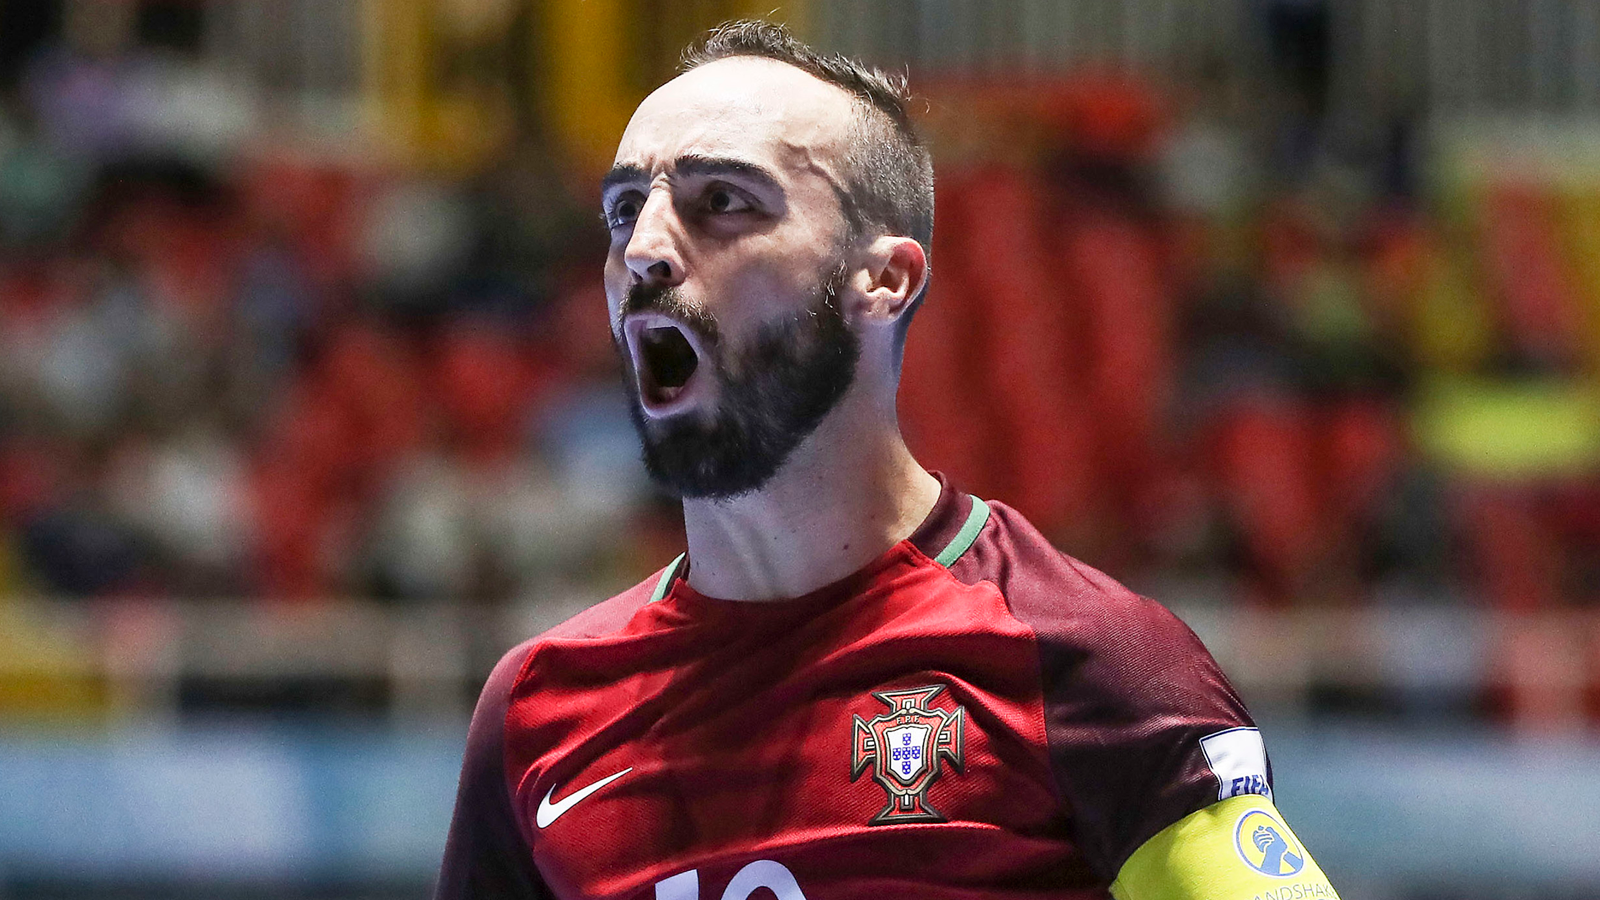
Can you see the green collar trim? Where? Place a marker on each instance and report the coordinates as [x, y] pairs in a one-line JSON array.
[[968, 534], [665, 584]]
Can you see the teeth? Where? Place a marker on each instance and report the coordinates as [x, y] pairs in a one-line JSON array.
[[655, 337]]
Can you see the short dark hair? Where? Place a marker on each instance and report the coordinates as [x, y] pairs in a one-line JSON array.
[[888, 173]]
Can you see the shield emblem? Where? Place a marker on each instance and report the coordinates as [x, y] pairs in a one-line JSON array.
[[908, 751], [904, 747]]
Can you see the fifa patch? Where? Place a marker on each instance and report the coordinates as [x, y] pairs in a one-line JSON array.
[[905, 747], [1238, 759], [1267, 846]]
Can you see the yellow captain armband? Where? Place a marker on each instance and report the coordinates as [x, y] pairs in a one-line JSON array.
[[1238, 849]]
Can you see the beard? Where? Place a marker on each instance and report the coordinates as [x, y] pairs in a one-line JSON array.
[[772, 393]]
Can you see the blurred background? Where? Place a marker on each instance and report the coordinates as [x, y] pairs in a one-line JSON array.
[[1284, 312]]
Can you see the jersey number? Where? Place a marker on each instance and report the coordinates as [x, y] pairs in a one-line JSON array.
[[763, 873]]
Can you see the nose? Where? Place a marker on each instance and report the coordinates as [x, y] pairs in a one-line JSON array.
[[652, 254]]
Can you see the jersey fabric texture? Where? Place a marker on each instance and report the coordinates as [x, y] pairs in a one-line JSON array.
[[973, 714]]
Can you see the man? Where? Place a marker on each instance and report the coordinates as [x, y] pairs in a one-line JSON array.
[[858, 681]]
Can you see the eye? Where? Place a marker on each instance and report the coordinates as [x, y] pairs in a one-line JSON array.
[[624, 210], [721, 199]]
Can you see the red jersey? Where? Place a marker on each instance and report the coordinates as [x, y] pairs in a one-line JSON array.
[[974, 714]]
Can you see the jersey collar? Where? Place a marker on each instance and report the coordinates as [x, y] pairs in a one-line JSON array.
[[949, 529], [951, 526]]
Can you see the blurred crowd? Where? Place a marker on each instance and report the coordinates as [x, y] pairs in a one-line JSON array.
[[1206, 334], [1228, 342], [228, 369]]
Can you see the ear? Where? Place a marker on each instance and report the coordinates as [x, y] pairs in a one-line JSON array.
[[894, 271]]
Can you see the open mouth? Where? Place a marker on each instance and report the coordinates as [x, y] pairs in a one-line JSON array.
[[668, 359], [666, 356]]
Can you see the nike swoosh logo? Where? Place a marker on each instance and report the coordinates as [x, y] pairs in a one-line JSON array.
[[549, 812]]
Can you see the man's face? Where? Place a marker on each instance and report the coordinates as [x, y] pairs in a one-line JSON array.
[[727, 259]]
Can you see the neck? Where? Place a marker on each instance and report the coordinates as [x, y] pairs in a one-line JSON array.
[[850, 492]]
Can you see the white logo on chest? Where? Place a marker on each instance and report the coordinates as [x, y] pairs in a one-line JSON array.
[[549, 812]]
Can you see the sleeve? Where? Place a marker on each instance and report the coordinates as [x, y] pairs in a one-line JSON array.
[[485, 854], [1143, 728], [1237, 849]]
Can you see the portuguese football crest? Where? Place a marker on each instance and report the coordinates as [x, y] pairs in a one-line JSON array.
[[905, 746]]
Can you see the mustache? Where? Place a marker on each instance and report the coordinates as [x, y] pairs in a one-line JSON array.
[[669, 301]]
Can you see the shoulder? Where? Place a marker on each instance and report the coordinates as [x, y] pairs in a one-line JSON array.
[[598, 622], [1069, 604], [1129, 693], [606, 617]]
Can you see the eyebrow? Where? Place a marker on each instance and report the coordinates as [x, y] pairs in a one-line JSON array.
[[694, 165], [620, 175]]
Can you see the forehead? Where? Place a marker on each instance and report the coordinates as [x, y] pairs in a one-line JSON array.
[[744, 107]]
